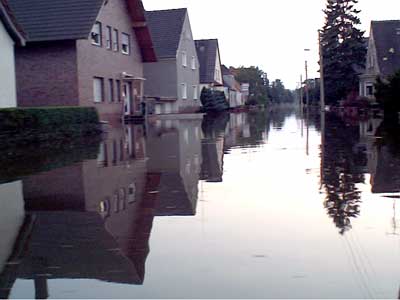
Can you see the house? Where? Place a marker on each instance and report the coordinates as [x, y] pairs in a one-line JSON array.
[[383, 57], [10, 34], [232, 89], [172, 83], [83, 53], [210, 64]]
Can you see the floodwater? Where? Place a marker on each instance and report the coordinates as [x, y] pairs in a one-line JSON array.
[[273, 204]]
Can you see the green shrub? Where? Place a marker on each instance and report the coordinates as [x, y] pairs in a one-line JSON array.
[[30, 125]]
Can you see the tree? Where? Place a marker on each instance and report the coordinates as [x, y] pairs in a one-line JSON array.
[[213, 101], [343, 49], [259, 83], [279, 94]]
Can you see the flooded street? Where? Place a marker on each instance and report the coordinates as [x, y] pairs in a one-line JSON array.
[[247, 205]]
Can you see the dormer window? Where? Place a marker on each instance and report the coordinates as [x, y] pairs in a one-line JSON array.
[[96, 34], [125, 44], [184, 59]]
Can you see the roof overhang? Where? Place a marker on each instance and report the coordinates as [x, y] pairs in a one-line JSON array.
[[142, 31], [13, 29]]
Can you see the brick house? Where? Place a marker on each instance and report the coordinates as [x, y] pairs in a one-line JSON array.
[[173, 82], [383, 57], [10, 34], [83, 53]]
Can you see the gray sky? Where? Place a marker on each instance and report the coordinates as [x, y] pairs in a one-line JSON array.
[[271, 34]]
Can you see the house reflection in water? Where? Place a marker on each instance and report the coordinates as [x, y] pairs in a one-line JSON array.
[[92, 219], [174, 151], [12, 216]]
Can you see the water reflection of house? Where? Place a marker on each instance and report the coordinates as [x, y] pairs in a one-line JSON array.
[[93, 219], [212, 147], [12, 216], [174, 151]]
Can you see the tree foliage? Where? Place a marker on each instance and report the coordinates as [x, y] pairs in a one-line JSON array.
[[279, 94], [213, 101], [343, 49], [259, 83]]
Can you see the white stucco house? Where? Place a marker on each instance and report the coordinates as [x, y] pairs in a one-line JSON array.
[[10, 34]]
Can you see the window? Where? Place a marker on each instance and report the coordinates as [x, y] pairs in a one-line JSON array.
[[102, 159], [114, 153], [109, 37], [369, 89], [111, 90], [98, 89], [195, 93], [184, 91], [184, 59], [118, 86], [96, 34], [126, 44], [115, 40], [193, 63]]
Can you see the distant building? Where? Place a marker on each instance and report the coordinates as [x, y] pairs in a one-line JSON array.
[[232, 89], [245, 89], [10, 34], [83, 53], [210, 64], [172, 83], [383, 57]]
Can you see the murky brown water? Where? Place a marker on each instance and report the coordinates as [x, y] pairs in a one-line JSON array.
[[258, 205]]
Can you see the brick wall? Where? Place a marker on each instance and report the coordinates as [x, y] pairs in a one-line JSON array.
[[47, 74]]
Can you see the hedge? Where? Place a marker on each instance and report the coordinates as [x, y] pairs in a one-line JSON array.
[[48, 122]]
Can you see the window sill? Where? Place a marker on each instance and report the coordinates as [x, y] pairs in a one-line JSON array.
[[97, 45]]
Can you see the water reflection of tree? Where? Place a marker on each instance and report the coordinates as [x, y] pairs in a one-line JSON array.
[[341, 172]]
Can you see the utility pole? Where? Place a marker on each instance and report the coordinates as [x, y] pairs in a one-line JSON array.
[[307, 88], [321, 72]]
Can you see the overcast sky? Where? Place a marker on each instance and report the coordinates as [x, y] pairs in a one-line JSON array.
[[271, 34]]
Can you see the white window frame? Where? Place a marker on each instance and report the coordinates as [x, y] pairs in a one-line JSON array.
[[123, 44], [184, 91], [369, 85], [96, 31], [184, 59], [109, 37], [195, 92], [115, 40], [98, 89], [193, 63]]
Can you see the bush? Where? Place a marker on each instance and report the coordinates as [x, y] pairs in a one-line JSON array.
[[28, 125]]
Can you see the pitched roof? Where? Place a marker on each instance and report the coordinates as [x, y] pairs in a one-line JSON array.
[[387, 42], [207, 53], [166, 28], [54, 20], [10, 23], [49, 20]]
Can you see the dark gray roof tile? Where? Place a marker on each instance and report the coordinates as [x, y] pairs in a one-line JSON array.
[[207, 53], [387, 42], [166, 28], [48, 20]]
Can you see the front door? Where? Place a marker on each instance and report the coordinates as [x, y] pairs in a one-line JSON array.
[[127, 89]]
